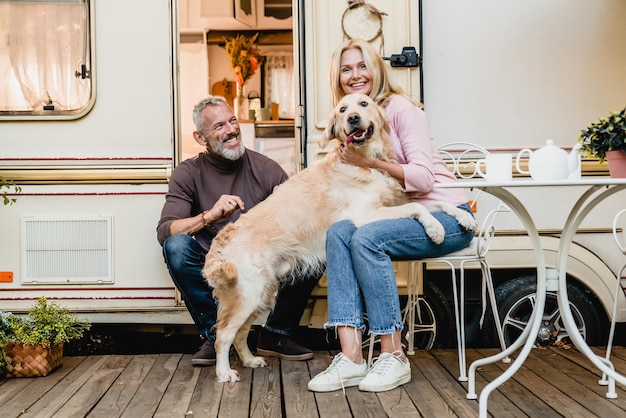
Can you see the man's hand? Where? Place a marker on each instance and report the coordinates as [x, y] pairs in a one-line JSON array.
[[225, 206]]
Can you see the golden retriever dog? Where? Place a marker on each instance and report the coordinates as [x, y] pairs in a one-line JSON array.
[[286, 233]]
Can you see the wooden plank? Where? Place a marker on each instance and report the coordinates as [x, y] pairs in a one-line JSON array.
[[451, 391], [364, 404], [266, 390], [18, 394], [450, 360], [511, 389], [618, 358], [94, 388], [581, 371], [423, 394], [58, 395], [329, 404], [361, 404], [577, 357], [617, 351], [542, 364], [236, 395], [119, 395], [397, 403], [177, 396], [149, 394], [299, 402], [549, 394], [205, 400]]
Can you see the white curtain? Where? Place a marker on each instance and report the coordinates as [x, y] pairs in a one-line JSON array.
[[47, 46], [279, 86]]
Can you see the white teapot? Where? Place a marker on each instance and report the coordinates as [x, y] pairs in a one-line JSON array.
[[550, 162]]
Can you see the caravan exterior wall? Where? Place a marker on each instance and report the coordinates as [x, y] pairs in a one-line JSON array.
[[83, 228]]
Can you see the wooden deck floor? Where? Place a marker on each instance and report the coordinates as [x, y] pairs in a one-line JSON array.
[[552, 383]]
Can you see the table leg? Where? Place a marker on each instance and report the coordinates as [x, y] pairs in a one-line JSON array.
[[575, 218], [535, 321]]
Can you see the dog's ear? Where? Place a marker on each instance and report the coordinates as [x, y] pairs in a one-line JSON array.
[[329, 132], [322, 141]]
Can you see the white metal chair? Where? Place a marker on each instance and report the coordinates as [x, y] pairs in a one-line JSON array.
[[476, 253], [463, 158], [621, 244]]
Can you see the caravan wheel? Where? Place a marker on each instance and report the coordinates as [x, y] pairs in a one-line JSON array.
[[516, 300]]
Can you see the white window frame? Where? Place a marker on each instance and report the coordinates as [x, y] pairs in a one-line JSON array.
[[23, 99]]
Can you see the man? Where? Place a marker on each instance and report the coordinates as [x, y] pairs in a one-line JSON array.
[[206, 193]]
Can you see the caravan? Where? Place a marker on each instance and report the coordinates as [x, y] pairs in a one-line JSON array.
[[92, 125]]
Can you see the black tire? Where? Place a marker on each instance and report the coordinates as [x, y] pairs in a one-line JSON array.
[[434, 321], [515, 299]]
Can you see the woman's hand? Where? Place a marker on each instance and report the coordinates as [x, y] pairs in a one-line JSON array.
[[348, 155]]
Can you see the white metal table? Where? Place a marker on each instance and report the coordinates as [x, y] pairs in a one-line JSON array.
[[598, 189]]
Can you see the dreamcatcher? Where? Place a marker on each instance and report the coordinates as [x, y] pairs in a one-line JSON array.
[[362, 20]]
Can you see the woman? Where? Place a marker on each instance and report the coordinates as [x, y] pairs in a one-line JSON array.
[[359, 262]]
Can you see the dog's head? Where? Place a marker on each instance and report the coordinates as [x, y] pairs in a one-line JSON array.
[[358, 121]]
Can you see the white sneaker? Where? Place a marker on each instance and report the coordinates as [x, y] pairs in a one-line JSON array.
[[388, 372], [341, 373]]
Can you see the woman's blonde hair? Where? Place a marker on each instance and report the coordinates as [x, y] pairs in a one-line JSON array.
[[382, 85]]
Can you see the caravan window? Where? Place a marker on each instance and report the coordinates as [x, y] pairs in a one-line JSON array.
[[45, 59]]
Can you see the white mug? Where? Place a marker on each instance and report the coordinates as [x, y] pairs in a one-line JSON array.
[[498, 167]]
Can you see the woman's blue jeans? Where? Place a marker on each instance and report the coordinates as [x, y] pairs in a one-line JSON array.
[[359, 267], [184, 258]]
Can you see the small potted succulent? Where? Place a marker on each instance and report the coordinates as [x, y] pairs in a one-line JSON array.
[[32, 345], [606, 140]]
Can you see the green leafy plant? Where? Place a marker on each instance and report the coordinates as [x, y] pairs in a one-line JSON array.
[[608, 134], [46, 324], [5, 187]]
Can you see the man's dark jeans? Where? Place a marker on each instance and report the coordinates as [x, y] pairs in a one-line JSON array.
[[184, 258]]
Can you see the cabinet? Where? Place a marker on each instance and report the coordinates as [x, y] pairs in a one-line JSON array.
[[217, 14], [235, 14], [274, 14], [245, 12]]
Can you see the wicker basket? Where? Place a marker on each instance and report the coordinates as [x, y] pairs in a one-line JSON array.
[[32, 360]]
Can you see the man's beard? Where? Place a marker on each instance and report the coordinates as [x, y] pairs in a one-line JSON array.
[[230, 154]]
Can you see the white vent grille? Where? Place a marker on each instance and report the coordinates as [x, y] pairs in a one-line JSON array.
[[67, 250]]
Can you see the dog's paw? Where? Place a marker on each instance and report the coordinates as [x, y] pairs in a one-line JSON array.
[[467, 221], [434, 230], [228, 376], [255, 361]]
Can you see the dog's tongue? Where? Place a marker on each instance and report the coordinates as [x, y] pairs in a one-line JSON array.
[[355, 136]]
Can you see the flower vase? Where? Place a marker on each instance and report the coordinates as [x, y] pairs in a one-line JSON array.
[[241, 105]]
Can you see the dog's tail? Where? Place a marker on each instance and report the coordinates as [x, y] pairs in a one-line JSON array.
[[221, 275]]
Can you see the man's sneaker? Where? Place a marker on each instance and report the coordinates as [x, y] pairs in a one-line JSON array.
[[388, 372], [341, 373], [206, 355], [272, 344]]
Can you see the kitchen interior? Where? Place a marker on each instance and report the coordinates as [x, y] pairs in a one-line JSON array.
[[269, 95]]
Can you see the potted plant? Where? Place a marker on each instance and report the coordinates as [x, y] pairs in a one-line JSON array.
[[32, 345], [606, 140]]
